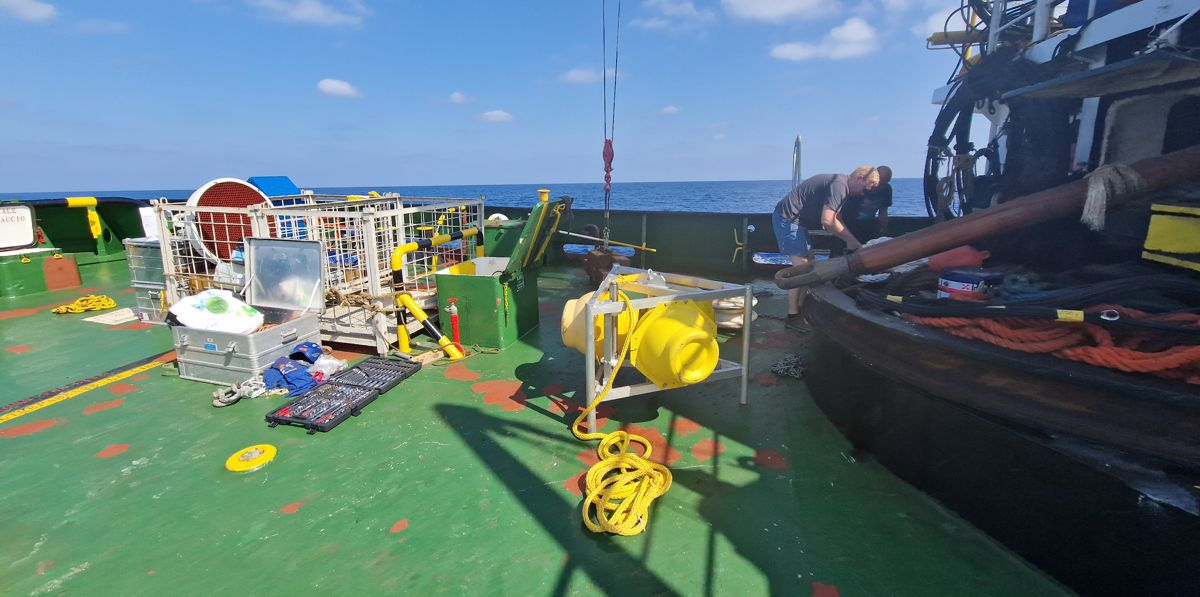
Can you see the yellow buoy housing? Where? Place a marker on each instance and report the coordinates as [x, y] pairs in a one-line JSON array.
[[673, 344], [573, 332]]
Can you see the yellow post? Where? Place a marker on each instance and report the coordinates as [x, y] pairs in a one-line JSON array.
[[543, 195], [406, 301]]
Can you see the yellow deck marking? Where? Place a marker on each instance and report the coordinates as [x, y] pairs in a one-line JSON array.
[[100, 383]]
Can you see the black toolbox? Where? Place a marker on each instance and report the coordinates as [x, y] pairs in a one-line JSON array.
[[378, 373], [344, 395], [323, 407]]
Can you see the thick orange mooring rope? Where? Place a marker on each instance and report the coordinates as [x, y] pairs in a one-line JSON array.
[[1134, 352]]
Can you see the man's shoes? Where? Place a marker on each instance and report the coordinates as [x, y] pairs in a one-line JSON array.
[[795, 321]]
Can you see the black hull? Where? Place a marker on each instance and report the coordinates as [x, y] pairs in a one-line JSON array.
[[1089, 475]]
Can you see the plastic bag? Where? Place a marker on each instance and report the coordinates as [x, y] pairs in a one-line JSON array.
[[218, 311], [325, 367]]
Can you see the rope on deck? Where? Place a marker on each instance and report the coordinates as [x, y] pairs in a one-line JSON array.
[[91, 302], [623, 485]]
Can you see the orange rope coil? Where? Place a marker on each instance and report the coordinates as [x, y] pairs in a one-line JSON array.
[[1086, 342]]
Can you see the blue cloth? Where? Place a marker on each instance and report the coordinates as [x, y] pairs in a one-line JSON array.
[[792, 238], [286, 373]]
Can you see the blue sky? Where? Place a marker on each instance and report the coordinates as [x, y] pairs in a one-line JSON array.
[[147, 94]]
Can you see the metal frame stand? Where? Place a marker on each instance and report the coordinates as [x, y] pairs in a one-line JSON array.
[[659, 288]]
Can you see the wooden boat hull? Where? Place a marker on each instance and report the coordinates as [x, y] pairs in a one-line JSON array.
[[1089, 475]]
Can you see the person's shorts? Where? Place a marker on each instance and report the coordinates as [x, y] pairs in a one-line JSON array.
[[793, 239]]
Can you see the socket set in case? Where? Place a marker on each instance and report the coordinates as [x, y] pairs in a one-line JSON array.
[[323, 407], [378, 373]]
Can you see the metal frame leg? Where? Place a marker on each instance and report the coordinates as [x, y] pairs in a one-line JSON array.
[[747, 317]]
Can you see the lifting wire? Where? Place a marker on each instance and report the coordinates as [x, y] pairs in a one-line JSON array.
[[609, 127]]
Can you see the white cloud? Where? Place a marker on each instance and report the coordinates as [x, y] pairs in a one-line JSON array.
[[673, 14], [651, 23], [337, 88], [496, 116], [457, 97], [312, 12], [934, 23], [28, 10], [672, 109], [580, 76], [774, 11], [851, 39], [102, 26]]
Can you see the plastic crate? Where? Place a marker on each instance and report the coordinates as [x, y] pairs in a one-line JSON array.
[[323, 407], [378, 373]]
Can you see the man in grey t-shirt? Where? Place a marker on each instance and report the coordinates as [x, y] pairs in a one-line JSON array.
[[817, 200]]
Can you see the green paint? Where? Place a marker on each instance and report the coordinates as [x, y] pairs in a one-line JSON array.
[[479, 486], [23, 274]]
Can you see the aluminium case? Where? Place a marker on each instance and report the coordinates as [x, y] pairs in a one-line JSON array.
[[227, 358]]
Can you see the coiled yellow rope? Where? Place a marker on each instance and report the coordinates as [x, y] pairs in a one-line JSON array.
[[91, 302], [621, 487]]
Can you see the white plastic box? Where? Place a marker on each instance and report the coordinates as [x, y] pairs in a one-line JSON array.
[[227, 358]]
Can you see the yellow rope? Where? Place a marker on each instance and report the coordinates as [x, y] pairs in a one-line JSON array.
[[91, 302], [621, 487]]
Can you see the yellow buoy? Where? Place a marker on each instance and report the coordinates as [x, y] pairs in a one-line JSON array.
[[573, 332], [251, 458], [675, 344]]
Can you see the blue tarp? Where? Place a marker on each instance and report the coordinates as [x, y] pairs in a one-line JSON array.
[[274, 186]]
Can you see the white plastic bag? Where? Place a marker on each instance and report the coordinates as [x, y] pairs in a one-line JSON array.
[[218, 311], [325, 367]]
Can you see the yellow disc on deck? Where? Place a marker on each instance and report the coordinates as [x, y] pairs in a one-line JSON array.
[[251, 459]]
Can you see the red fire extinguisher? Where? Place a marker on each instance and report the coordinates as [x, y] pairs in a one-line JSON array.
[[452, 310]]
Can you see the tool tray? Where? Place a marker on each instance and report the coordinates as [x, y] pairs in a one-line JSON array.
[[323, 407], [377, 373]]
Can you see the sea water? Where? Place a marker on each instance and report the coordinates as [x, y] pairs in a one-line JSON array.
[[728, 196]]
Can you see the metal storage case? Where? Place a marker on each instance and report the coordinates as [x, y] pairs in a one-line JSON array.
[[145, 261], [226, 358], [497, 296], [151, 302]]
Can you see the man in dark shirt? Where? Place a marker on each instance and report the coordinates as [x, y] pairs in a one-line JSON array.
[[867, 216], [818, 201]]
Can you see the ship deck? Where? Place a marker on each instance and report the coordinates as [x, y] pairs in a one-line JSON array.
[[463, 479]]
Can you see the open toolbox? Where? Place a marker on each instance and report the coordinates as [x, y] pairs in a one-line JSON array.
[[377, 373], [344, 395], [323, 407]]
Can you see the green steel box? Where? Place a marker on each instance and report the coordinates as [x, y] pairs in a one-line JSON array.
[[497, 295], [494, 309]]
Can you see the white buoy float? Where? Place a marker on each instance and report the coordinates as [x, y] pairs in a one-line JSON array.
[[729, 312]]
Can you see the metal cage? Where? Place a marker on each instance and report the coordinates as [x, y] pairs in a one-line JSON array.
[[202, 249]]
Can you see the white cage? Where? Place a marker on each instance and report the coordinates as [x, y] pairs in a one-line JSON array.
[[203, 247]]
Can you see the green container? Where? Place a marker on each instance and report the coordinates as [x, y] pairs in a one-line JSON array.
[[497, 295], [493, 310], [500, 237]]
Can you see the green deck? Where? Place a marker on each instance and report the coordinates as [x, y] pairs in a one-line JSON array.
[[464, 479]]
